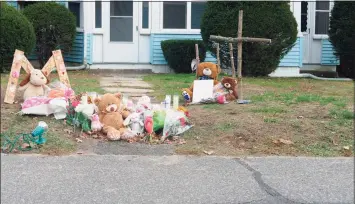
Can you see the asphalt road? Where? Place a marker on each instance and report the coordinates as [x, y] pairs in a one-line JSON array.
[[175, 179]]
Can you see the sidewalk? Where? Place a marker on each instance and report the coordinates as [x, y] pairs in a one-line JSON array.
[[175, 179]]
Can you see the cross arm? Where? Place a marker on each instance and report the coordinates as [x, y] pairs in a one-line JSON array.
[[236, 40]]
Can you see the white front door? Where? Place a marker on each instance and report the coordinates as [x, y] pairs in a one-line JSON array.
[[315, 16], [120, 25]]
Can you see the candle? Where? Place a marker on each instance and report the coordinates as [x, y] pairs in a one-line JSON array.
[[175, 102]]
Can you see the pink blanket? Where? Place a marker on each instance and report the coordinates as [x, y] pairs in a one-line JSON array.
[[35, 101]]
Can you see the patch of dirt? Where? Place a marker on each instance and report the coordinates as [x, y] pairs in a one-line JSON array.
[[233, 129]]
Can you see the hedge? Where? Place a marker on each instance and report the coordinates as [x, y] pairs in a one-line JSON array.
[[180, 53], [55, 28], [261, 19], [16, 33], [342, 36]]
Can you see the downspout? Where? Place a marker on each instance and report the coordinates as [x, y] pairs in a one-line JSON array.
[[81, 67], [306, 75]]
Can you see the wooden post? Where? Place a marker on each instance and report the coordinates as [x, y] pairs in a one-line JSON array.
[[197, 57], [217, 52], [232, 59], [59, 64], [240, 50]]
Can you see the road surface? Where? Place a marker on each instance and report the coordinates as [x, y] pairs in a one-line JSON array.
[[175, 179]]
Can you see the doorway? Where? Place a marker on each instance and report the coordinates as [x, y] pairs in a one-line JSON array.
[[120, 24]]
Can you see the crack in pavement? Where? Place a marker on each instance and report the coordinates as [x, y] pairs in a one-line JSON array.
[[265, 187], [269, 190]]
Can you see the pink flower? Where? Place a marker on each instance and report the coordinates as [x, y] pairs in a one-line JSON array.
[[75, 103], [15, 74], [68, 93]]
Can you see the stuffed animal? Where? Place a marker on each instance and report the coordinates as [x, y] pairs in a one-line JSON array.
[[84, 107], [230, 84], [96, 126], [143, 104], [111, 115], [34, 84], [204, 71], [135, 121]]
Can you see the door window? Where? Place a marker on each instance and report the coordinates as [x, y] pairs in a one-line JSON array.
[[322, 17], [121, 21], [304, 16]]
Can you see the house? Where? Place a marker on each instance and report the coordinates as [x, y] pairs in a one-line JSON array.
[[127, 34]]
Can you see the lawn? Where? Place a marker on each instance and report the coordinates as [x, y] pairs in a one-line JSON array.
[[60, 137], [309, 117], [316, 117]]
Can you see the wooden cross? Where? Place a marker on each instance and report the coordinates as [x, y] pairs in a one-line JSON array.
[[240, 41]]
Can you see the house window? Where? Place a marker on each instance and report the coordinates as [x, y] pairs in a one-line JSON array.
[[98, 14], [74, 7], [322, 17], [145, 16], [197, 9], [121, 21], [174, 15], [304, 16], [24, 4]]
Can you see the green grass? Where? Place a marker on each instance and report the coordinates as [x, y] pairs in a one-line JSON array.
[[270, 120], [225, 126], [58, 142], [269, 110]]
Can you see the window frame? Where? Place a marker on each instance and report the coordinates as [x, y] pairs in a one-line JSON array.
[[145, 31], [321, 36], [95, 15], [81, 10], [109, 29], [188, 21]]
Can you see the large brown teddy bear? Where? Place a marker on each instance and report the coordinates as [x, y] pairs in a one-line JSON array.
[[111, 115], [205, 71]]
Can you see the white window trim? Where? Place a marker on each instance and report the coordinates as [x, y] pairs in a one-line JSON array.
[[145, 31], [97, 30], [321, 36], [178, 31]]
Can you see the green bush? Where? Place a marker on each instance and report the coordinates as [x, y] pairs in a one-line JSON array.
[[261, 19], [16, 32], [55, 28], [180, 53], [342, 35]]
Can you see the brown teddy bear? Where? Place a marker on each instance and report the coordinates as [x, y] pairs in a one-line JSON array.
[[230, 84], [111, 115], [205, 71], [34, 84]]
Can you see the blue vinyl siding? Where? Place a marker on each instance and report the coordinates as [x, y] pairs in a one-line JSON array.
[[13, 3], [75, 55], [327, 55], [156, 54], [294, 57], [89, 47]]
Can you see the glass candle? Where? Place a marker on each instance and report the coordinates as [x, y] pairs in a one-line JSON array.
[[175, 102]]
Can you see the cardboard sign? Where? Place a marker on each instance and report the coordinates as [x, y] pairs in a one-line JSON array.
[[203, 89], [56, 61]]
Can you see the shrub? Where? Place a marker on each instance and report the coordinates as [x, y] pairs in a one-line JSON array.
[[342, 36], [261, 19], [180, 53], [16, 33], [55, 28]]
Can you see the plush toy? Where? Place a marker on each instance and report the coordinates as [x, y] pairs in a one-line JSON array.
[[111, 115], [96, 126], [230, 84], [135, 123], [143, 104], [204, 71], [34, 84], [84, 107]]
